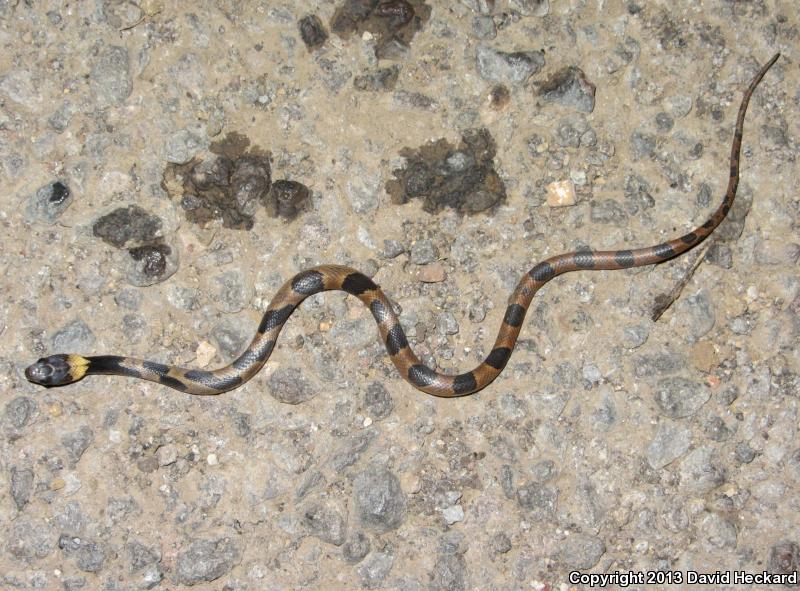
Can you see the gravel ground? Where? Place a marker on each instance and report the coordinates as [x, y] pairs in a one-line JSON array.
[[138, 145]]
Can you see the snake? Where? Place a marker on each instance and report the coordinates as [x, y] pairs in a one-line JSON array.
[[62, 369]]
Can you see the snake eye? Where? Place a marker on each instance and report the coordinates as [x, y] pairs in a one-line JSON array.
[[50, 371]]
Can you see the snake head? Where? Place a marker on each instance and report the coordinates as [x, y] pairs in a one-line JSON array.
[[57, 370]]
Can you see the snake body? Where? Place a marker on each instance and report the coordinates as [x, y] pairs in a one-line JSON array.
[[62, 369]]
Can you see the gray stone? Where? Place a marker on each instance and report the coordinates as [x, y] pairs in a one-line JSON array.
[[446, 323], [356, 548], [483, 27], [380, 80], [539, 499], [501, 543], [784, 557], [207, 560], [89, 557], [718, 532], [133, 327], [449, 573], [701, 470], [507, 68], [76, 443], [183, 145], [28, 539], [380, 503], [21, 486], [49, 202], [424, 252], [325, 522], [352, 449], [110, 77], [375, 569], [570, 88], [678, 397], [230, 291], [128, 298], [392, 249], [582, 551], [378, 401], [73, 337], [744, 453], [20, 411], [670, 442], [288, 385], [531, 7]]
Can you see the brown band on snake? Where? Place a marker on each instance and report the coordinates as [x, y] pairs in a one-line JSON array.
[[63, 369]]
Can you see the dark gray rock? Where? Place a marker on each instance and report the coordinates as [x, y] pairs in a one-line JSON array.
[[127, 227], [207, 560], [570, 88], [150, 264], [380, 503], [312, 31]]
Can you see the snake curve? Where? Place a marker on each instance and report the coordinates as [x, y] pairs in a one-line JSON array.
[[61, 369]]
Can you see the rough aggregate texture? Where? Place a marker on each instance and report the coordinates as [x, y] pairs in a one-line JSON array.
[[140, 143]]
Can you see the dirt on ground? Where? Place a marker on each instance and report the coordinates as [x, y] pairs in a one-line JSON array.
[[167, 166]]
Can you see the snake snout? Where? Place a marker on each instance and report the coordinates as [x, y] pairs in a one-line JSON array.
[[50, 371]]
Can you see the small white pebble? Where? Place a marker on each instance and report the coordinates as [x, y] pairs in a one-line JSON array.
[[114, 436], [204, 353], [453, 514], [212, 459], [367, 421], [561, 194]]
